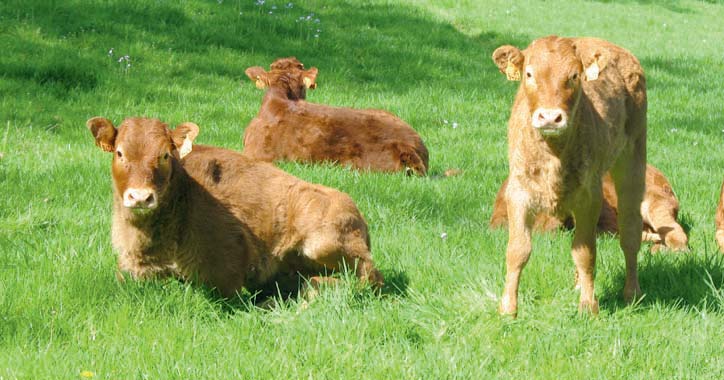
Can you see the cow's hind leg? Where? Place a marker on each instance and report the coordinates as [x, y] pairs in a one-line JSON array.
[[629, 173], [662, 217], [409, 159], [335, 248]]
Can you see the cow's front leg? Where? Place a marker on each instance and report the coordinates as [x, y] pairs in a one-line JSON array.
[[518, 252], [584, 250]]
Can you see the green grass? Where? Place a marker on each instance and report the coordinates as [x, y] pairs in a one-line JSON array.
[[62, 311]]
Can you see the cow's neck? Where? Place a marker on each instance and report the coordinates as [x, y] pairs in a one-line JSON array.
[[277, 103], [279, 93]]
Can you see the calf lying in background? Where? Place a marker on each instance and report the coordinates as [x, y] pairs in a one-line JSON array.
[[289, 128], [659, 210], [217, 217]]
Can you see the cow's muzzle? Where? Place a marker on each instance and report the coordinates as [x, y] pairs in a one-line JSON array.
[[140, 199], [549, 121]]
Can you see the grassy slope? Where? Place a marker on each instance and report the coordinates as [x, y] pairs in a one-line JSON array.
[[62, 311]]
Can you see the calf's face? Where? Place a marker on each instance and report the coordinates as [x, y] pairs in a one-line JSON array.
[[551, 70], [144, 152], [287, 74]]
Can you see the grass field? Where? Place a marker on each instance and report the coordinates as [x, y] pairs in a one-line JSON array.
[[62, 312]]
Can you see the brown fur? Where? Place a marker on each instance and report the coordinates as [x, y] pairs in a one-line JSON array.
[[720, 220], [221, 218], [557, 159], [289, 128], [659, 210]]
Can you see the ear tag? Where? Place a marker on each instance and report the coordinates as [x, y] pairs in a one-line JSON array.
[[308, 82], [511, 72], [185, 148], [592, 71], [259, 83]]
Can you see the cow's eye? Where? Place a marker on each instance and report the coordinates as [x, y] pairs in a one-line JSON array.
[[528, 74], [574, 76], [165, 156], [119, 154]]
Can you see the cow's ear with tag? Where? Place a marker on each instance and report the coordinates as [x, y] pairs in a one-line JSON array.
[[183, 137], [509, 60]]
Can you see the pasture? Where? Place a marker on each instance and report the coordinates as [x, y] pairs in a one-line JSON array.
[[64, 315]]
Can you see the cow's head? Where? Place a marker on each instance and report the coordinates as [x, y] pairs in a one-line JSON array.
[[551, 71], [287, 75], [145, 153]]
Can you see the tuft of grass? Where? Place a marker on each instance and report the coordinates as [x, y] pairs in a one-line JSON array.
[[63, 314]]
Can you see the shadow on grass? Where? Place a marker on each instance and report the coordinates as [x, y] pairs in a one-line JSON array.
[[394, 48], [294, 288], [675, 280], [672, 76]]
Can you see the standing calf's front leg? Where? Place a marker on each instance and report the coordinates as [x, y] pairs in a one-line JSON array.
[[518, 251], [584, 250]]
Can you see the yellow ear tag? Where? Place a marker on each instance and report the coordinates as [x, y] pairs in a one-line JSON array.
[[185, 148], [260, 83], [592, 72], [511, 72], [308, 82]]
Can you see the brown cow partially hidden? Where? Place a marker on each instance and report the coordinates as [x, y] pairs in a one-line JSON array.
[[720, 220], [217, 217], [289, 128], [580, 110], [659, 210]]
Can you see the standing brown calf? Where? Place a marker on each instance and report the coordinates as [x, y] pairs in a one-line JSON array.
[[580, 110], [659, 210], [289, 128], [217, 217], [720, 220]]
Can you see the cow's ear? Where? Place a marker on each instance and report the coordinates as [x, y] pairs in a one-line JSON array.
[[258, 75], [593, 61], [183, 137], [509, 60], [310, 78], [103, 132]]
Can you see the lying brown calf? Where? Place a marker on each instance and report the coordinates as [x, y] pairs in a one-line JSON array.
[[659, 210], [289, 128], [216, 217], [579, 112]]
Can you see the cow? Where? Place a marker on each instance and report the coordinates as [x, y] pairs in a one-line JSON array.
[[580, 111], [720, 220], [289, 128], [215, 217], [659, 210]]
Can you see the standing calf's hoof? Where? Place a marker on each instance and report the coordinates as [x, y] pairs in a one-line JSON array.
[[632, 294], [588, 307], [508, 307]]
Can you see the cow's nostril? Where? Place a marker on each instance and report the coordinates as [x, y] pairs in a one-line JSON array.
[[149, 199], [541, 116], [559, 118]]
